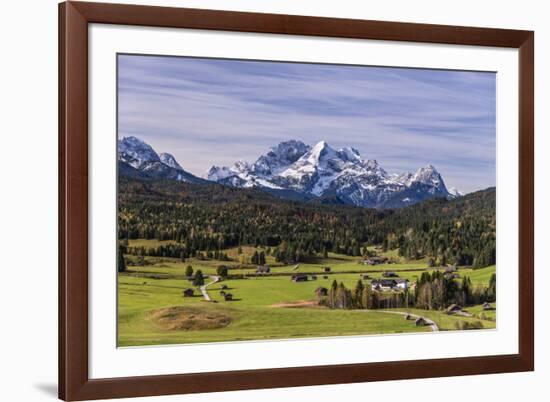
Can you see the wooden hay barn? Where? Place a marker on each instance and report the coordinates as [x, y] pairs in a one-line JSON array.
[[263, 269], [421, 322], [299, 278], [375, 260], [453, 308]]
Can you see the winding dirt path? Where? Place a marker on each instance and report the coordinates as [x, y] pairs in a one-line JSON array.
[[431, 323], [203, 290]]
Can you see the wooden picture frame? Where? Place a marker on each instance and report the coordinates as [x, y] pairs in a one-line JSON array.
[[74, 381]]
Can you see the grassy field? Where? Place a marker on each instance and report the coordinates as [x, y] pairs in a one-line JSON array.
[[478, 312], [447, 322], [151, 304], [253, 315]]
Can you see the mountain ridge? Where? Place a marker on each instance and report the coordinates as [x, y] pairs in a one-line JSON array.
[[138, 159], [295, 170], [320, 169]]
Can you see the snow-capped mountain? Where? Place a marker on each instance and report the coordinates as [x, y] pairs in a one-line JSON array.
[[455, 193], [279, 158], [137, 158], [260, 173], [169, 160], [322, 171], [295, 170], [136, 153]]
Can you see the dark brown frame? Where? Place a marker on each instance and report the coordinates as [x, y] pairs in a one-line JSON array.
[[74, 17]]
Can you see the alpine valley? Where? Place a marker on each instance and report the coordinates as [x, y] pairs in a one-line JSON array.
[[299, 244], [248, 209], [297, 171]]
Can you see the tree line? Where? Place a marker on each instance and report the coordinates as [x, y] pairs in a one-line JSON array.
[[363, 297], [434, 291], [211, 218]]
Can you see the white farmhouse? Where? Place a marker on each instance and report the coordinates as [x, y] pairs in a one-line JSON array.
[[402, 283], [390, 284]]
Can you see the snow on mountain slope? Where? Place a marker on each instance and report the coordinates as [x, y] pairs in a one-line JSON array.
[[322, 170], [455, 193], [279, 158], [298, 170], [136, 153], [169, 160], [142, 157]]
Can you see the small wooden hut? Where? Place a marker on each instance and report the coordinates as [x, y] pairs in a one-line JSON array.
[[263, 269], [421, 322], [299, 278], [453, 308]]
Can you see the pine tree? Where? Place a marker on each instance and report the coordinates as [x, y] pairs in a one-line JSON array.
[[222, 271], [121, 263], [198, 280], [466, 290], [255, 258], [358, 294], [492, 289], [331, 299]]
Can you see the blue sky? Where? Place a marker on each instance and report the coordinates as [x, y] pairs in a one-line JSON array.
[[213, 112]]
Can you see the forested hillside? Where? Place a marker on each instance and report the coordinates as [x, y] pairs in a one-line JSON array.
[[212, 217]]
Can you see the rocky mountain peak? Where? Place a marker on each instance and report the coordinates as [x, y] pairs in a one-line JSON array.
[[169, 160], [137, 158], [135, 152], [295, 167], [320, 169]]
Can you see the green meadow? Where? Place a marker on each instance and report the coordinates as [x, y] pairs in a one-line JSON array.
[[152, 309]]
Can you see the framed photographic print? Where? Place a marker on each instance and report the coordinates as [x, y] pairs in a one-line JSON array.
[[259, 200]]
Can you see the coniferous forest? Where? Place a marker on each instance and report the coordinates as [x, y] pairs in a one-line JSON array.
[[208, 218]]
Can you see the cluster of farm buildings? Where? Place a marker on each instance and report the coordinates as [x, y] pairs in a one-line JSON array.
[[390, 280]]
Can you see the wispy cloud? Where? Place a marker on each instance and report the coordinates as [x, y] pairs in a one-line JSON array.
[[213, 111]]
